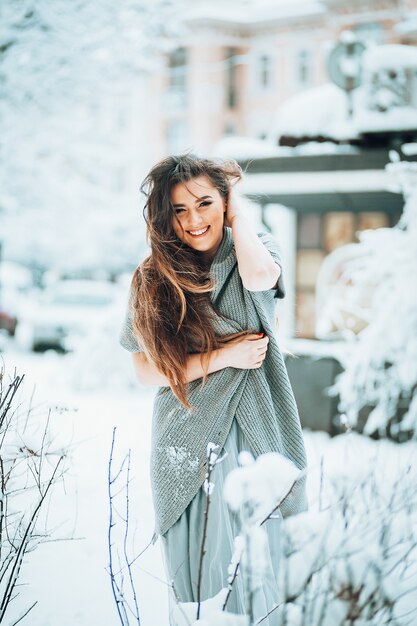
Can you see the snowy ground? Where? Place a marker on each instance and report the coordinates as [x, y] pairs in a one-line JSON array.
[[68, 578]]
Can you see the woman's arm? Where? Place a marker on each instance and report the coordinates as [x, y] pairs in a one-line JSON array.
[[257, 268], [248, 353], [148, 374]]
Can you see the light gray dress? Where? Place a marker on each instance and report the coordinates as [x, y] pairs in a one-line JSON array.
[[181, 545]]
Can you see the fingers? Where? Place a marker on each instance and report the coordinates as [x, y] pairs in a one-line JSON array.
[[257, 337], [260, 358], [263, 343], [258, 350], [257, 365]]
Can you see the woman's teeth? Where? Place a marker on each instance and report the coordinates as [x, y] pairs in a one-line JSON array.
[[199, 233]]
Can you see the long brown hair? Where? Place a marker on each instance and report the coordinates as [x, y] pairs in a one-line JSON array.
[[172, 307]]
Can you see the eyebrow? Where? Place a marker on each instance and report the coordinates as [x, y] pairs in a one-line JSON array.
[[197, 200]]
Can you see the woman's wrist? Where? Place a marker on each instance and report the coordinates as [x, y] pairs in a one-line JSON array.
[[218, 361], [221, 357]]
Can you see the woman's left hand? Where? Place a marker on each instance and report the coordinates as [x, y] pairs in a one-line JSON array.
[[232, 208]]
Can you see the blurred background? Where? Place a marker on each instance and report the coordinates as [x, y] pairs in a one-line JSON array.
[[317, 101], [312, 98]]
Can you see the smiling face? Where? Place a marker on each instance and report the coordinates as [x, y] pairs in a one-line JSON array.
[[199, 215]]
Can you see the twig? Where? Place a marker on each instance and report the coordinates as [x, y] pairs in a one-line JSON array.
[[114, 585], [23, 546], [123, 605], [24, 614], [203, 541], [129, 563], [274, 608], [301, 474], [249, 568], [6, 402], [230, 586]]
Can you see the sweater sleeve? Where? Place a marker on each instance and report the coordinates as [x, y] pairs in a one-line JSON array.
[[127, 338], [272, 246]]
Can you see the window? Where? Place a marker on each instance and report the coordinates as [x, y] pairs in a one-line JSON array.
[[304, 68], [178, 70], [231, 78], [318, 234], [265, 67], [309, 230]]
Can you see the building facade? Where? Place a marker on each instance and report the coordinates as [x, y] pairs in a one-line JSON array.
[[237, 66], [230, 75]]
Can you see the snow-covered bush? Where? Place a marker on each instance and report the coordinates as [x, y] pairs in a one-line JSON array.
[[31, 463], [350, 560], [380, 366], [355, 560], [254, 492], [259, 485]]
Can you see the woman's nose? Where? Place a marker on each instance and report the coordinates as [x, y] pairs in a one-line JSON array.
[[194, 220]]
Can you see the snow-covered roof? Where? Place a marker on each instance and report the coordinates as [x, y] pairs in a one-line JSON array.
[[316, 111], [408, 26], [317, 182], [246, 148], [322, 111], [395, 119], [389, 56], [238, 147], [253, 13]]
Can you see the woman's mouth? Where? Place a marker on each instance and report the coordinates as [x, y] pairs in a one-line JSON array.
[[198, 233]]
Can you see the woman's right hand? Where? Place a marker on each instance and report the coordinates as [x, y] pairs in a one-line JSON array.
[[249, 353]]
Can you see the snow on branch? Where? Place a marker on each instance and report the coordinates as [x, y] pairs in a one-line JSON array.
[[30, 466], [352, 561], [381, 367]]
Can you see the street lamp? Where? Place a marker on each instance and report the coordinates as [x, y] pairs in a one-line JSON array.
[[344, 65]]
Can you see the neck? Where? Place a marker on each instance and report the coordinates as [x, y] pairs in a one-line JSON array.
[[209, 256]]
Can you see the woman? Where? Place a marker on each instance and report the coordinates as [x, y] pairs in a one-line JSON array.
[[200, 323]]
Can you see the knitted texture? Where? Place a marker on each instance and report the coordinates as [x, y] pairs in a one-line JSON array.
[[260, 399]]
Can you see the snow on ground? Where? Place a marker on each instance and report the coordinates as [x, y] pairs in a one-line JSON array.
[[68, 578]]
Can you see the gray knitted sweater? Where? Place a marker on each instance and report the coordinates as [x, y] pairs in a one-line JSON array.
[[260, 399]]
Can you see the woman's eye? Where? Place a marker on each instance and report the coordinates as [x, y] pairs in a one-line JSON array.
[[203, 204]]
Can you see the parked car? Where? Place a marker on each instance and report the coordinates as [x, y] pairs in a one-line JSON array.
[[8, 321], [15, 282], [66, 311]]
